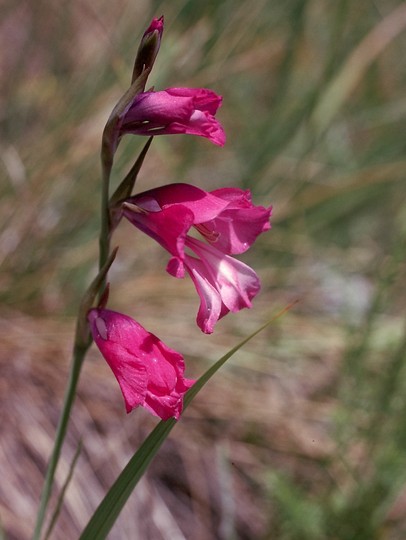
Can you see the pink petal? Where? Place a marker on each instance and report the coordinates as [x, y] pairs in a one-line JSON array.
[[238, 226], [211, 307], [236, 282], [203, 98], [168, 227], [174, 111], [158, 108], [225, 217], [204, 205]]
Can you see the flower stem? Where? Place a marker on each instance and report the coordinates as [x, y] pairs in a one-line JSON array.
[[104, 240], [79, 353]]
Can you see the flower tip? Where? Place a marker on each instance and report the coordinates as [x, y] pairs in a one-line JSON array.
[[219, 138], [148, 48], [157, 24]]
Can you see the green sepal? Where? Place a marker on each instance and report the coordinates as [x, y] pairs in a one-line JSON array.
[[125, 188]]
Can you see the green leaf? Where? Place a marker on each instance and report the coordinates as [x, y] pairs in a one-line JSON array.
[[109, 509]]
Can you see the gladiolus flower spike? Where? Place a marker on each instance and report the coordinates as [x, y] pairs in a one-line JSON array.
[[230, 224], [149, 373]]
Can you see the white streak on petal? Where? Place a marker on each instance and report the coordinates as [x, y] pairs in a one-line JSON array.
[[101, 327]]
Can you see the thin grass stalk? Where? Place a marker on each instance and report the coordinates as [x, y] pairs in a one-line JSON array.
[[79, 353], [59, 504]]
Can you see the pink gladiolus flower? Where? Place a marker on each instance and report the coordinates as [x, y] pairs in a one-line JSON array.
[[174, 111], [149, 373], [230, 224]]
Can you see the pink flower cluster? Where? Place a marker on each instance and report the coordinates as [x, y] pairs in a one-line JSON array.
[[149, 373]]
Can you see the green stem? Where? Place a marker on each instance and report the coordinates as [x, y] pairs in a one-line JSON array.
[[79, 353], [104, 240]]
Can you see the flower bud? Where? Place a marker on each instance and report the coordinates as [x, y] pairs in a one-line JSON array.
[[149, 47]]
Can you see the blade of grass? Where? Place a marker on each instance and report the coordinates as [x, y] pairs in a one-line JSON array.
[[109, 509], [63, 491], [70, 394]]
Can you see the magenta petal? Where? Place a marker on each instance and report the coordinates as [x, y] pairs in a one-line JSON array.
[[176, 268], [149, 373], [223, 283], [225, 217], [158, 108], [237, 227], [211, 307], [204, 205], [174, 111], [168, 227], [203, 98], [203, 124], [236, 282]]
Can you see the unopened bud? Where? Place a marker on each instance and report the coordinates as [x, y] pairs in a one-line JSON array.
[[149, 47]]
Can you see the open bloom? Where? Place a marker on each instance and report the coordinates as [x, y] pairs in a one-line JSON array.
[[174, 111], [149, 373], [227, 220]]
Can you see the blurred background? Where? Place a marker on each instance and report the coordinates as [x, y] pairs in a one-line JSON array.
[[302, 435]]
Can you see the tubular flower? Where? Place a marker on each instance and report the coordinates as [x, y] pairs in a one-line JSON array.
[[227, 220], [174, 111], [149, 373]]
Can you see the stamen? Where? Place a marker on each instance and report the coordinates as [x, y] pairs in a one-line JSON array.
[[210, 235]]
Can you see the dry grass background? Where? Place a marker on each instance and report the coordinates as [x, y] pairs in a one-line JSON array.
[[302, 434]]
